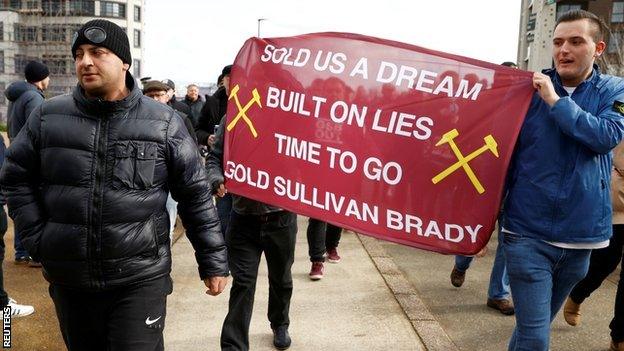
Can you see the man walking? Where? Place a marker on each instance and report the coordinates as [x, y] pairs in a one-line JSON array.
[[254, 228], [557, 208], [24, 97], [87, 183]]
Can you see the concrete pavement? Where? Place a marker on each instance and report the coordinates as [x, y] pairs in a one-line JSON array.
[[473, 326], [381, 296], [351, 308]]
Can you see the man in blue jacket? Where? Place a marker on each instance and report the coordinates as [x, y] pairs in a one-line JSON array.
[[558, 208], [24, 97]]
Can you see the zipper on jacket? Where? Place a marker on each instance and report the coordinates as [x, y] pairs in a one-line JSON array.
[[96, 209]]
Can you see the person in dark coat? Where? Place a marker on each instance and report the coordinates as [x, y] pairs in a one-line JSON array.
[[157, 90], [86, 184], [194, 101], [24, 97], [214, 108], [173, 101], [254, 228], [17, 310]]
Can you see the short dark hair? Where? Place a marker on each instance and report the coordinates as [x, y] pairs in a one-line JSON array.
[[575, 15], [509, 64]]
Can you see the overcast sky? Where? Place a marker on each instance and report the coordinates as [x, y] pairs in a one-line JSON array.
[[191, 40]]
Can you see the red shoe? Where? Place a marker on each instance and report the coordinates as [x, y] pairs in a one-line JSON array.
[[332, 255], [316, 273]]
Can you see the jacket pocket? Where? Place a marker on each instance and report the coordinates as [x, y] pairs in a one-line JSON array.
[[134, 164]]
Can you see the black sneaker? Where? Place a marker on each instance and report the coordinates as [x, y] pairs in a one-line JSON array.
[[281, 339]]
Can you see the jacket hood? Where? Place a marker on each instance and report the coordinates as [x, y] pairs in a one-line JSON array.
[[16, 89], [97, 106]]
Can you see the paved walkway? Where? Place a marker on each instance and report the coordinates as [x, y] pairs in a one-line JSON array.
[[473, 326], [351, 308], [381, 296]]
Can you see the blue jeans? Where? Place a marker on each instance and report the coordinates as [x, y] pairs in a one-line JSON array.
[[499, 281], [541, 277], [20, 251]]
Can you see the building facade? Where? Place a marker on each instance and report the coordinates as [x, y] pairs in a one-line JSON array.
[[537, 22], [43, 30]]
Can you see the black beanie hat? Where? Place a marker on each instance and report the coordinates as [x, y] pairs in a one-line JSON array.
[[115, 39], [35, 72], [226, 70]]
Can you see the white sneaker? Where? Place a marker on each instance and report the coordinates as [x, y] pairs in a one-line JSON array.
[[18, 310]]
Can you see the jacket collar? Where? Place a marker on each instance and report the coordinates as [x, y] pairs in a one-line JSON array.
[[554, 76], [98, 107]]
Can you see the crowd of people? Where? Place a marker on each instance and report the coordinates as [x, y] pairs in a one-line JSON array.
[[96, 179]]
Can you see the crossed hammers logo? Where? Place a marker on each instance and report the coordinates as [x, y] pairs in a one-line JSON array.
[[448, 137], [242, 111]]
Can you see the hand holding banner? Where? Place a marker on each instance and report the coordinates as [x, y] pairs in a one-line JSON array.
[[388, 139]]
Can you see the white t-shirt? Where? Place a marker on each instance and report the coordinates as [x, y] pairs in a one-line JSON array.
[[575, 246], [570, 90]]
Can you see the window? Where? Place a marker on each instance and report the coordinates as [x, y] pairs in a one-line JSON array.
[[20, 62], [2, 98], [2, 62], [137, 68], [137, 38], [82, 8], [52, 7], [1, 31], [10, 4], [57, 65], [32, 4], [615, 42], [561, 9], [617, 16], [25, 33], [112, 9], [137, 13], [70, 29], [53, 33]]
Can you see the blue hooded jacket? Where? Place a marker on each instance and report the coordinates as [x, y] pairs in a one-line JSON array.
[[23, 99], [559, 180]]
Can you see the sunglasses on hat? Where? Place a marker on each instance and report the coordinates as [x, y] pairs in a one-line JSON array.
[[96, 35]]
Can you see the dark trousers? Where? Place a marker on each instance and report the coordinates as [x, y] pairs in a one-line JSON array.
[[4, 297], [248, 237], [321, 236], [224, 209], [125, 319], [601, 264]]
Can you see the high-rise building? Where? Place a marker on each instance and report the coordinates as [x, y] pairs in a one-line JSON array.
[[43, 30], [538, 20]]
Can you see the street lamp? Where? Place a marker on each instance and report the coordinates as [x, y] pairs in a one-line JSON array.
[[260, 20]]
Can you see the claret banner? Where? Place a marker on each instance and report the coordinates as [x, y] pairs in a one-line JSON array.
[[384, 138]]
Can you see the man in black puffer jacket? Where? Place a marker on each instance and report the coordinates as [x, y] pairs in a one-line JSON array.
[[87, 183]]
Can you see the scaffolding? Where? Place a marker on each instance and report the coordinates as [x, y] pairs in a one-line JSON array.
[[42, 30]]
